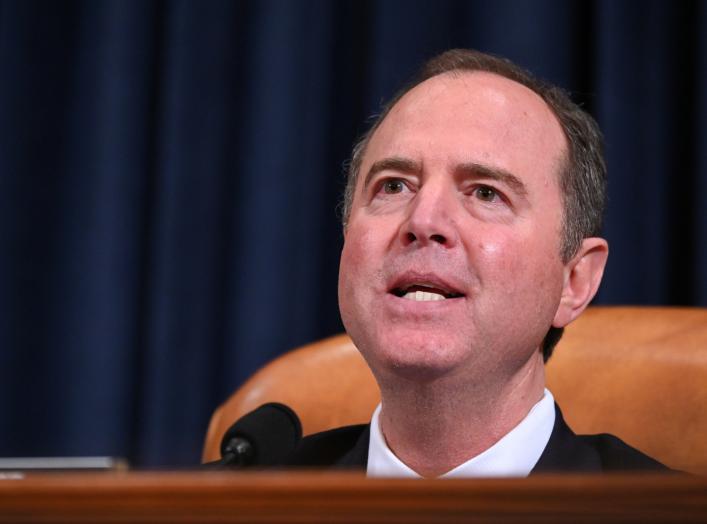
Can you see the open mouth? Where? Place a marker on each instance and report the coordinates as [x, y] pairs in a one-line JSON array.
[[424, 293]]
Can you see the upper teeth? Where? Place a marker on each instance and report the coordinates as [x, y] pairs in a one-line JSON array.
[[423, 296]]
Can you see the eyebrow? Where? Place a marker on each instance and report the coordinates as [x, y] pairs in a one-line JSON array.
[[476, 170], [466, 169], [395, 163]]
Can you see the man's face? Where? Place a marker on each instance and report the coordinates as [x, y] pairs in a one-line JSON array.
[[451, 261]]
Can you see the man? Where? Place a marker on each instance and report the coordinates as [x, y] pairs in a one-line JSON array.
[[471, 226]]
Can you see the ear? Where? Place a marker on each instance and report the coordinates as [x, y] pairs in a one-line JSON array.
[[582, 276]]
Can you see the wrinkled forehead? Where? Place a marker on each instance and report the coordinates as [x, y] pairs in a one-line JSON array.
[[488, 115]]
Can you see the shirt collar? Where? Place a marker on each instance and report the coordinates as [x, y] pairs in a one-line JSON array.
[[514, 455]]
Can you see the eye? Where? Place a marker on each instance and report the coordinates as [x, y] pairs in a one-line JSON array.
[[393, 186], [486, 193]]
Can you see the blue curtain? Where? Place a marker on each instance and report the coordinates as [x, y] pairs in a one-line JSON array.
[[170, 173]]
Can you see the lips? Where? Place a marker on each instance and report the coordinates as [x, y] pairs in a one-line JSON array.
[[424, 288]]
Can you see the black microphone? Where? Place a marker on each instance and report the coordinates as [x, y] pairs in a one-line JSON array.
[[263, 437]]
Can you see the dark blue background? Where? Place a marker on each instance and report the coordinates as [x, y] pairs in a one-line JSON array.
[[170, 173]]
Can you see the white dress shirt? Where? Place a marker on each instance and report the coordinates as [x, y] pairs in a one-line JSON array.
[[515, 455]]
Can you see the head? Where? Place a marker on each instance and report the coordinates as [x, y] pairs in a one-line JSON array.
[[581, 170], [468, 232]]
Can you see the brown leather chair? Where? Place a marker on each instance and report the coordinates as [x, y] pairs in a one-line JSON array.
[[637, 372]]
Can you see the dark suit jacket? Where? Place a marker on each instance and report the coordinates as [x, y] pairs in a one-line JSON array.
[[347, 447]]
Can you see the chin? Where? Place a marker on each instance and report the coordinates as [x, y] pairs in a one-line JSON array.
[[417, 357], [416, 372]]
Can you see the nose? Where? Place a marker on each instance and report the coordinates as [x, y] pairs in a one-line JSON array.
[[430, 218]]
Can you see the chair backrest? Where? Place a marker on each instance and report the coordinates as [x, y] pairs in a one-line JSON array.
[[327, 383], [639, 373]]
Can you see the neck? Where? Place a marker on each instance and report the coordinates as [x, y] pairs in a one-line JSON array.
[[434, 427]]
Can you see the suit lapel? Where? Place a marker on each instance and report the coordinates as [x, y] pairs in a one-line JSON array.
[[565, 451], [357, 456]]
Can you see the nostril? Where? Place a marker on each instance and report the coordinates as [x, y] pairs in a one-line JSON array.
[[439, 239], [411, 237]]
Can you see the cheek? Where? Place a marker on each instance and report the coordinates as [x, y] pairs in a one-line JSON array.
[[354, 250], [519, 263], [497, 255], [353, 258], [355, 266], [520, 288], [347, 266], [365, 246]]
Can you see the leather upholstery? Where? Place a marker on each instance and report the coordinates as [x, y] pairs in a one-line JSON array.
[[639, 373], [327, 383]]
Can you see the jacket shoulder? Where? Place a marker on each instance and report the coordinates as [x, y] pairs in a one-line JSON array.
[[569, 452], [616, 455]]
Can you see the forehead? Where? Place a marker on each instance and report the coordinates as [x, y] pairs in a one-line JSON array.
[[472, 117]]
